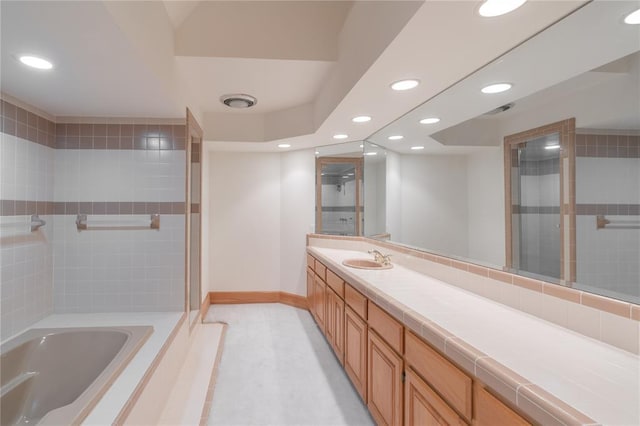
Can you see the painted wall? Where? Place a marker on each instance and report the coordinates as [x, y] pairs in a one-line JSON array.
[[261, 208]]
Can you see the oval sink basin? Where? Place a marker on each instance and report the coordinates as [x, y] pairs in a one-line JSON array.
[[365, 264]]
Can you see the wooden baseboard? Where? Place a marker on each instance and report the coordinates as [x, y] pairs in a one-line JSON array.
[[232, 297]]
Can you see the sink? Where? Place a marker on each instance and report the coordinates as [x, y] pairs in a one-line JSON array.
[[365, 264]]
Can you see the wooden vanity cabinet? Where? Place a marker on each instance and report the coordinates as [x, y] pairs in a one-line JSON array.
[[355, 350], [384, 381], [401, 378], [489, 411], [423, 406], [334, 323], [319, 296]]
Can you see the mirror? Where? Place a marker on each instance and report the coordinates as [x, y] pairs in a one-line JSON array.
[[194, 184], [339, 191], [571, 216]]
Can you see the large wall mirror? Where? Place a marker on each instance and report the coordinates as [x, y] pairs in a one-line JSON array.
[[572, 215]]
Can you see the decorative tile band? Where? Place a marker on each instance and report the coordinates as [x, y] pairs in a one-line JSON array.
[[607, 146], [346, 209], [21, 207], [608, 209], [518, 209], [24, 124], [16, 121], [550, 166]]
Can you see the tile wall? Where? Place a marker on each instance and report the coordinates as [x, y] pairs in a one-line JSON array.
[[113, 172], [27, 161]]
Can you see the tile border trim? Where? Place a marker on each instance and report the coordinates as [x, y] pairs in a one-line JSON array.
[[22, 207]]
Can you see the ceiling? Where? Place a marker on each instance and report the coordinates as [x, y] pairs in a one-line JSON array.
[[313, 65]]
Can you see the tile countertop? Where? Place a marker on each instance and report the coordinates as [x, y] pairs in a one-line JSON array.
[[112, 402], [599, 380]]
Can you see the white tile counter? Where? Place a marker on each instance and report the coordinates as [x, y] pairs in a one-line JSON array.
[[599, 380]]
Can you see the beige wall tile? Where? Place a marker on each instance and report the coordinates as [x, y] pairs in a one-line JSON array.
[[584, 320], [621, 332]]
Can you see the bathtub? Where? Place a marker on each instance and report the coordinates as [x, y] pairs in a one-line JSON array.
[[55, 376]]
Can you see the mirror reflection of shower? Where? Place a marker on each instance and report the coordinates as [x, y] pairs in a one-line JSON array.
[[340, 188]]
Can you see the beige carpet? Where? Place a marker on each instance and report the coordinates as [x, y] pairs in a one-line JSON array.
[[277, 369]]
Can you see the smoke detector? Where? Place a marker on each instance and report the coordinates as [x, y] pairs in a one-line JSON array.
[[238, 100]]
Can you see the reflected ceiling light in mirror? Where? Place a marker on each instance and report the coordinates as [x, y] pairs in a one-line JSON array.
[[284, 145], [35, 62], [405, 85], [370, 153], [417, 148], [633, 18], [491, 8], [430, 120], [395, 137], [552, 147], [340, 136], [361, 119], [361, 146], [496, 88]]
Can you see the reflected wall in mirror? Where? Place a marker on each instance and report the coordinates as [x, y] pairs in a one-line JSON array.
[[339, 190], [194, 184], [449, 196], [375, 181]]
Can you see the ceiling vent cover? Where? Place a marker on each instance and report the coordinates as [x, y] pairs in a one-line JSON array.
[[500, 109], [238, 100]]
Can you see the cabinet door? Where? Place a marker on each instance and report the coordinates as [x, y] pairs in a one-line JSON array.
[[310, 286], [355, 351], [384, 378], [319, 302], [335, 323], [488, 411], [423, 407]]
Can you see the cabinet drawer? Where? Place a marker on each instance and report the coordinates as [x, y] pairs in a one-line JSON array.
[[336, 283], [311, 261], [321, 270], [452, 384], [387, 327], [356, 301], [489, 411]]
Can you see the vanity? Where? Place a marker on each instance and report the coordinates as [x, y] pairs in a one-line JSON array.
[[422, 351]]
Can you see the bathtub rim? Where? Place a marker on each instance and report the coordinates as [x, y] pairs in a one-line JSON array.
[[81, 407]]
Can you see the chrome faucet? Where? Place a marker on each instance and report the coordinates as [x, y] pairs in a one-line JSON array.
[[381, 258]]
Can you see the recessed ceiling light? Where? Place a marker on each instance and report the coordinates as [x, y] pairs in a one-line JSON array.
[[491, 8], [633, 18], [395, 137], [496, 88], [431, 120], [361, 119], [36, 62], [340, 136], [284, 145], [317, 152], [238, 100], [371, 153], [361, 146], [345, 177], [552, 147], [417, 148], [405, 85]]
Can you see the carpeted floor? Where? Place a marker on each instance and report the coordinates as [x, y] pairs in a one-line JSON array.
[[277, 369]]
